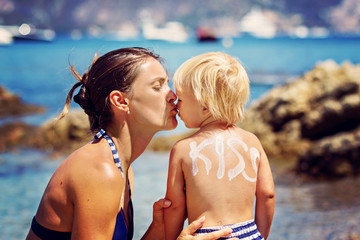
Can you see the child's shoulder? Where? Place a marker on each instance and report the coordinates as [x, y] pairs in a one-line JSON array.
[[179, 149], [184, 143], [246, 133], [247, 136]]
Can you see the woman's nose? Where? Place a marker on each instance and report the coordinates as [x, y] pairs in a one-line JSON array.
[[171, 96]]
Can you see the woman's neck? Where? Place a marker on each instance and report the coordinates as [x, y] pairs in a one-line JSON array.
[[129, 144]]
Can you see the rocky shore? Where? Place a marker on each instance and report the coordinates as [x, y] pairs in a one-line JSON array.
[[310, 125], [53, 136], [11, 105]]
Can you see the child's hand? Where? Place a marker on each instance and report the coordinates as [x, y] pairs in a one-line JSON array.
[[187, 233]]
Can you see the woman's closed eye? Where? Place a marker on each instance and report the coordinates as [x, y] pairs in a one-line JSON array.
[[158, 85], [157, 88]]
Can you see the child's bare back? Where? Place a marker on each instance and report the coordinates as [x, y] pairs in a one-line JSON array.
[[220, 173]]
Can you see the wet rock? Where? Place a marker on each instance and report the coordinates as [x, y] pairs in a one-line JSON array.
[[313, 121], [11, 105]]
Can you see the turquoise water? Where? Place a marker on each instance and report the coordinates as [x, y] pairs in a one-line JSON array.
[[39, 73]]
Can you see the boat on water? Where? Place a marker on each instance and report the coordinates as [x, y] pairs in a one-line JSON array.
[[206, 34], [171, 32], [10, 33], [6, 37]]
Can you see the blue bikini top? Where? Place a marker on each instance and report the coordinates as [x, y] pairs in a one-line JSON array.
[[123, 230]]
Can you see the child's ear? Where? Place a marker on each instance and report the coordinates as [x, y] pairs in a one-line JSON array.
[[206, 110], [118, 100]]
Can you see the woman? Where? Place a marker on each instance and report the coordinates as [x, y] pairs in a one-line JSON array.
[[126, 95]]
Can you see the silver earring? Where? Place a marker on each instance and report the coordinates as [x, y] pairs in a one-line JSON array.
[[128, 112]]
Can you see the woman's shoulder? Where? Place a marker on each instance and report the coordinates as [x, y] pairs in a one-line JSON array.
[[91, 169], [93, 160]]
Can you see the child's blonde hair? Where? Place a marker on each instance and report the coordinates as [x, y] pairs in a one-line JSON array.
[[219, 82]]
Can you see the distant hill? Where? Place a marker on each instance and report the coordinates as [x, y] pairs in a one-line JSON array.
[[339, 16]]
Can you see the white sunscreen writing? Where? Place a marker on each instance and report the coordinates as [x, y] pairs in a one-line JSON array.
[[254, 154], [195, 153], [219, 149], [241, 165]]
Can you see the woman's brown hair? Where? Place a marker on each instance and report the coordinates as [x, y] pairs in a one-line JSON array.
[[116, 70]]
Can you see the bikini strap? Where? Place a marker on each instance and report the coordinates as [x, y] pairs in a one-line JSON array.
[[101, 134]]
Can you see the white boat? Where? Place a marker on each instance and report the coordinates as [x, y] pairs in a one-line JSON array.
[[171, 31], [28, 32], [6, 38]]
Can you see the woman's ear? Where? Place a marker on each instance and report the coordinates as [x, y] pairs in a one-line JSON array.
[[118, 100]]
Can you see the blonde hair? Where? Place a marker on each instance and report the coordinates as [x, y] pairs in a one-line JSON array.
[[219, 83]]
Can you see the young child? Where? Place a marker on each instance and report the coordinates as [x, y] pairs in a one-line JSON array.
[[217, 171]]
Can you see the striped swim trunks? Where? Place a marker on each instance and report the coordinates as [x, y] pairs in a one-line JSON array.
[[244, 230]]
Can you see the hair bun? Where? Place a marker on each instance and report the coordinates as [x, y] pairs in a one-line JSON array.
[[83, 99]]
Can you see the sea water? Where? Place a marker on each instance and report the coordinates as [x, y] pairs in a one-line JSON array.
[[39, 73]]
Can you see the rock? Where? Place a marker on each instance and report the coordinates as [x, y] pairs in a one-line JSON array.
[[12, 105], [15, 135], [313, 121], [65, 135], [58, 137], [337, 155]]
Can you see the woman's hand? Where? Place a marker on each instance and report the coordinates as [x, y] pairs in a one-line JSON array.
[[157, 227], [187, 233]]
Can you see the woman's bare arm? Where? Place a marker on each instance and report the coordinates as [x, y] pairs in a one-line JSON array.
[[156, 229]]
